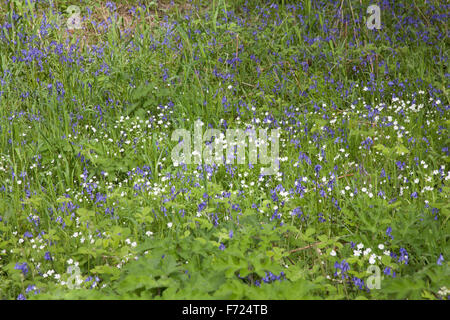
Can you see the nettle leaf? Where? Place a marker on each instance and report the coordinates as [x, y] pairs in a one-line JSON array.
[[105, 270], [82, 212], [401, 149], [386, 151], [308, 233], [386, 260], [145, 216], [403, 287], [141, 92]]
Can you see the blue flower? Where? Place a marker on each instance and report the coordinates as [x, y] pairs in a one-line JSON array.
[[21, 297], [403, 256], [27, 235], [388, 232], [317, 168], [222, 246], [358, 282], [201, 206], [23, 267], [30, 288], [111, 6], [344, 266], [321, 218], [47, 256], [440, 260]]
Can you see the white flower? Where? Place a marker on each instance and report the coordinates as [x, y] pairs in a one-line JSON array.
[[372, 259], [356, 253], [70, 261], [381, 246], [333, 253], [170, 224], [360, 246], [367, 251]]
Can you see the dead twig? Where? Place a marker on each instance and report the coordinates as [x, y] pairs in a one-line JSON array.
[[304, 248]]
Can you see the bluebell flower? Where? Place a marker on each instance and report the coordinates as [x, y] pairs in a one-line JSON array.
[[201, 206], [30, 288], [358, 282], [321, 218], [236, 207], [440, 260], [388, 232], [403, 256], [297, 212], [28, 235], [23, 267], [317, 168], [47, 256], [343, 266]]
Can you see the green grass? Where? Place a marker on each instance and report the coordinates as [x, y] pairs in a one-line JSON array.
[[86, 119]]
